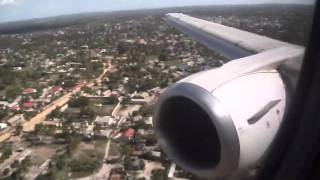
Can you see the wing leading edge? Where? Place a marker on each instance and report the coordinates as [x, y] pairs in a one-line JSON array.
[[252, 52], [230, 42]]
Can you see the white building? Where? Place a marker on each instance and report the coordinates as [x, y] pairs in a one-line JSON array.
[[104, 121], [3, 126], [17, 119]]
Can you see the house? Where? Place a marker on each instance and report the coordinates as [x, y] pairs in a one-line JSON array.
[[103, 121], [28, 105], [64, 108], [56, 89], [85, 47], [89, 130], [102, 134], [3, 126], [138, 101], [17, 119], [52, 123], [156, 153], [142, 42], [137, 118], [29, 91], [3, 104], [14, 108], [12, 104], [128, 133], [149, 120], [17, 68]]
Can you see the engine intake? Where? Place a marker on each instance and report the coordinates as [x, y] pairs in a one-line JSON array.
[[207, 132]]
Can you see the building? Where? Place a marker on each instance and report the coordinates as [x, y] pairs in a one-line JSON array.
[[14, 106], [103, 121], [56, 89], [28, 105], [29, 91], [129, 133], [3, 104], [17, 119], [149, 121], [138, 100], [156, 154], [3, 126]]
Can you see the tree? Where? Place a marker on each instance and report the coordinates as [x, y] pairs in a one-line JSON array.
[[84, 163], [6, 172], [61, 162], [127, 163], [56, 113], [87, 112], [111, 100], [163, 57], [6, 153], [24, 165], [13, 92], [18, 129], [38, 128], [87, 90], [2, 87], [79, 102], [122, 48], [146, 110], [74, 142], [126, 149], [15, 164], [3, 113], [159, 174]]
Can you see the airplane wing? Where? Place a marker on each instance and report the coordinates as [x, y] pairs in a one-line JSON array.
[[231, 42], [253, 52]]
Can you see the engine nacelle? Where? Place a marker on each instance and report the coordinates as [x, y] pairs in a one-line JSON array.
[[220, 124]]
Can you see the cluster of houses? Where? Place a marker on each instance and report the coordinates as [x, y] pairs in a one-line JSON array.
[[27, 102]]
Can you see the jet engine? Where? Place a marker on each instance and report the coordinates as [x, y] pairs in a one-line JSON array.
[[219, 123]]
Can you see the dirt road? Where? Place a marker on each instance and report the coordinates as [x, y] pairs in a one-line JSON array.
[[41, 116], [29, 125]]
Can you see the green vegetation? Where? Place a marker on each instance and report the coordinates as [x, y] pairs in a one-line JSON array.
[[6, 152], [40, 129], [84, 163], [110, 100], [87, 90], [79, 102], [3, 113], [12, 92], [159, 174], [56, 113], [20, 169], [80, 160]]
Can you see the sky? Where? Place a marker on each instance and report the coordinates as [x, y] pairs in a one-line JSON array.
[[13, 10]]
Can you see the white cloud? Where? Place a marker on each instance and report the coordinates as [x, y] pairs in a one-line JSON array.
[[7, 2]]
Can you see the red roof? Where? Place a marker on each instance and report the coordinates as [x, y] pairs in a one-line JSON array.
[[128, 133], [29, 90], [28, 104], [56, 89]]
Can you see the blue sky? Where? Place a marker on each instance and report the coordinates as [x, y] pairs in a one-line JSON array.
[[12, 10]]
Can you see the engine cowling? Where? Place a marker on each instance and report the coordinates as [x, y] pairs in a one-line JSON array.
[[219, 124]]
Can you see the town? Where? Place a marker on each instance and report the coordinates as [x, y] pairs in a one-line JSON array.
[[76, 102]]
